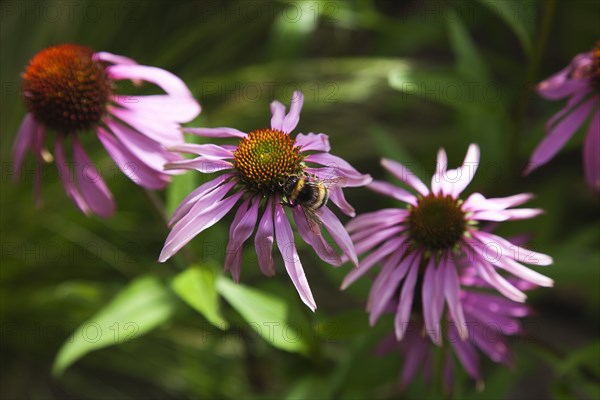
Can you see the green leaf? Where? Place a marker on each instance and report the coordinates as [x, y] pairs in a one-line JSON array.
[[140, 307], [197, 287], [515, 14], [267, 315], [469, 62]]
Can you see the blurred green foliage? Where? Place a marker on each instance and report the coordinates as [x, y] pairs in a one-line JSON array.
[[382, 78]]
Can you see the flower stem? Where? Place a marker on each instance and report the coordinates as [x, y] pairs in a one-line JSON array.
[[532, 72]]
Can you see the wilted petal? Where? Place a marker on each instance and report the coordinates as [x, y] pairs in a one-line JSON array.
[[591, 154]]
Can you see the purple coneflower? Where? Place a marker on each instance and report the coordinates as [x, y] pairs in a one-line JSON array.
[[491, 320], [70, 90], [580, 81], [420, 246], [256, 172]]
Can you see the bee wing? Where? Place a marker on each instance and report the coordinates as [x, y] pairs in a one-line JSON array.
[[313, 221], [335, 182]]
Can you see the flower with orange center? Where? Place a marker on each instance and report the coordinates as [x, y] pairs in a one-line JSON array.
[[423, 248], [70, 89], [257, 170]]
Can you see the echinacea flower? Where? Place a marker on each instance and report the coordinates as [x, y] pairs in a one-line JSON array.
[[70, 90], [580, 82], [491, 320], [420, 246], [257, 169]]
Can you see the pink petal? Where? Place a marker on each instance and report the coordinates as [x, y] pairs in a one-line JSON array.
[[184, 207], [511, 250], [164, 132], [140, 173], [23, 142], [451, 291], [278, 114], [338, 233], [37, 142], [200, 164], [112, 58], [477, 202], [92, 186], [467, 170], [367, 239], [313, 142], [554, 89], [382, 218], [179, 109], [559, 135], [525, 273], [440, 169], [405, 175], [466, 354], [406, 297], [151, 153], [591, 154], [215, 132], [392, 191], [336, 195], [487, 272], [336, 167], [164, 79], [287, 248], [241, 229], [433, 302], [65, 176], [372, 259], [386, 285], [263, 241], [314, 238], [210, 151], [291, 119], [186, 229]]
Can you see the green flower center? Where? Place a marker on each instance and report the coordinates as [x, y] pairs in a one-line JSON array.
[[436, 223], [66, 89], [266, 158]]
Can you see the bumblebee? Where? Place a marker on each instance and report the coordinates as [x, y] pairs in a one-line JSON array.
[[308, 192]]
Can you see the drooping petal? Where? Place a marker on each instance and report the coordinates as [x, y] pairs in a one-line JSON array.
[[184, 207], [451, 291], [185, 230], [556, 87], [164, 106], [291, 119], [405, 175], [386, 285], [222, 132], [209, 151], [524, 273], [287, 248], [402, 317], [313, 142], [90, 182], [338, 233], [278, 114], [508, 249], [241, 229], [151, 153], [591, 154], [336, 195], [433, 301], [65, 176], [559, 135], [487, 272], [160, 77], [200, 164], [23, 142], [372, 259], [263, 241], [383, 218], [311, 234], [393, 191], [335, 167], [162, 131], [467, 355], [139, 172], [113, 58]]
